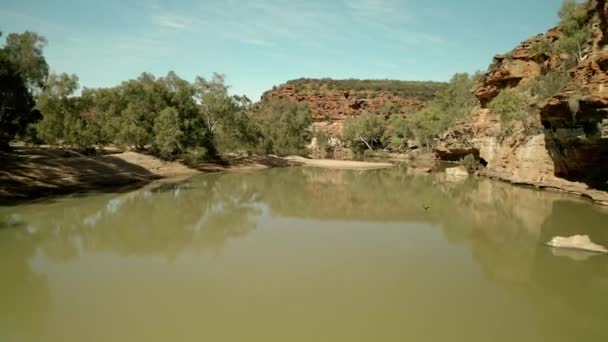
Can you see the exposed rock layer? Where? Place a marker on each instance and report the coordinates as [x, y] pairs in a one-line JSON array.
[[330, 108], [565, 145]]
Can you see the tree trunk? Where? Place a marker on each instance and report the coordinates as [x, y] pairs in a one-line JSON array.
[[366, 144]]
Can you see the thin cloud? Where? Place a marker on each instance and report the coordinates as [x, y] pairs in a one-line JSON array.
[[377, 10], [258, 42], [391, 17], [173, 21]]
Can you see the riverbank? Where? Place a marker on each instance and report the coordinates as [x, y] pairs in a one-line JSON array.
[[339, 164], [29, 173]]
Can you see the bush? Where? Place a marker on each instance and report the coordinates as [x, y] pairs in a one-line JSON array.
[[365, 131], [397, 132], [285, 127], [511, 105], [548, 85], [195, 155], [321, 138], [453, 102], [542, 48], [471, 163], [419, 89]]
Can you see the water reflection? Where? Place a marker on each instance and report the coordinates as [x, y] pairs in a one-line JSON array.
[[501, 226]]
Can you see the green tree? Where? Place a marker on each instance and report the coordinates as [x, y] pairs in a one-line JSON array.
[[23, 70], [216, 104], [574, 28], [59, 108], [16, 103], [25, 52], [364, 131], [397, 133], [168, 135], [450, 104], [285, 127]]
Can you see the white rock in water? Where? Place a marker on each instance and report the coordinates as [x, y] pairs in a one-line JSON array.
[[458, 171], [581, 242]]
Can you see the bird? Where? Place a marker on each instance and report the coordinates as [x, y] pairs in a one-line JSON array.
[[426, 207]]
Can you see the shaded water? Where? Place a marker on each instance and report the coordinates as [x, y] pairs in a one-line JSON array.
[[303, 254]]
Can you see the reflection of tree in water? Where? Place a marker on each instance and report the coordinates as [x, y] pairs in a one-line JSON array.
[[380, 195], [24, 295], [203, 213], [508, 226], [502, 225]]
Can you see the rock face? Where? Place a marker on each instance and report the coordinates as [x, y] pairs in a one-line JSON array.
[[516, 68], [338, 105], [580, 242], [565, 145], [331, 106], [576, 124]]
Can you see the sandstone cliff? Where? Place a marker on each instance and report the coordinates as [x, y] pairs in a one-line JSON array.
[[334, 101], [563, 144]]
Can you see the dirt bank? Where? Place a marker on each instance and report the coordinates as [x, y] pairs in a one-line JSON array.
[[28, 173]]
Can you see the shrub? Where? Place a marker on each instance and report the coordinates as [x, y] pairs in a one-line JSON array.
[[542, 48], [365, 131], [511, 105], [321, 138], [450, 104], [195, 155], [548, 85]]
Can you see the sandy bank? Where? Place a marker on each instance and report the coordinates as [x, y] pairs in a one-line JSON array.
[[28, 173], [338, 164]]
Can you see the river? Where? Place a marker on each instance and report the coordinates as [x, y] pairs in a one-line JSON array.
[[303, 254]]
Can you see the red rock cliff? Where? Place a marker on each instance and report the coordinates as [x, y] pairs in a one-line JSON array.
[[333, 101], [564, 144]]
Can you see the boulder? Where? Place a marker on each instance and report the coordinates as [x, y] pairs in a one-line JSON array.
[[580, 242], [458, 171]]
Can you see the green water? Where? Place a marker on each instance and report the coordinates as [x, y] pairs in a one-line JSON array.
[[303, 254]]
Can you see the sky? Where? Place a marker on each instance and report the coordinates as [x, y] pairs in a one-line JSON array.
[[261, 43]]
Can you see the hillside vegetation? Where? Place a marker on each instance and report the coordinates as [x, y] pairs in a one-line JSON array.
[[421, 89]]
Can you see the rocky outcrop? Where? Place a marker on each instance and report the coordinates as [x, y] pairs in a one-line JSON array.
[[565, 145], [330, 107], [516, 68], [576, 124]]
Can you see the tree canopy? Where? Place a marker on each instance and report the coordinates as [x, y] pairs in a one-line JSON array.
[[23, 70]]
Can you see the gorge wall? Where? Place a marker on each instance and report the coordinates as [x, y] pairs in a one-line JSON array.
[[333, 101], [564, 143]]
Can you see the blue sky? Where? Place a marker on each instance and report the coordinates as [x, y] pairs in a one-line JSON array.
[[258, 44]]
